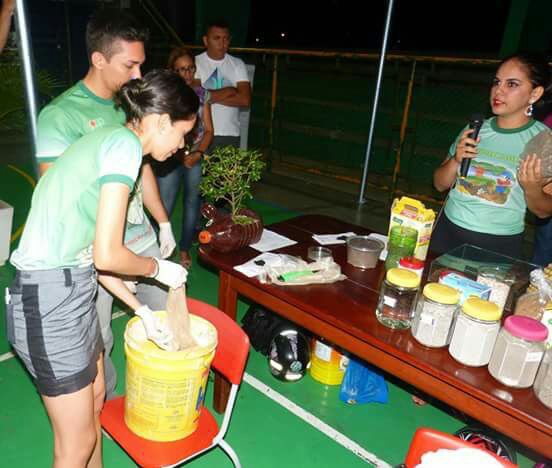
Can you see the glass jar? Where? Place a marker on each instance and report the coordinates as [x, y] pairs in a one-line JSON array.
[[412, 264], [434, 315], [397, 298], [543, 381], [518, 351], [401, 243], [474, 332], [499, 281]]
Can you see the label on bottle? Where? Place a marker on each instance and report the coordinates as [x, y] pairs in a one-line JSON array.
[[322, 351], [535, 356], [389, 301], [427, 319]]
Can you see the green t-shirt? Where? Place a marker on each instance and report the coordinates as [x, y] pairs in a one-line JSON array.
[[490, 200], [61, 224], [67, 118]]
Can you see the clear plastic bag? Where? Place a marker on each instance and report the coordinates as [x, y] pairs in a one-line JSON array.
[[362, 384]]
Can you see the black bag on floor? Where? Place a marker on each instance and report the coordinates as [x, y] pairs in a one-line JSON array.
[[261, 325]]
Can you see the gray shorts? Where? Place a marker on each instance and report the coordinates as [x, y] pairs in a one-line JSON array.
[[53, 327]]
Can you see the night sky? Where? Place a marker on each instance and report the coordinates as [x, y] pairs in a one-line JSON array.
[[460, 27]]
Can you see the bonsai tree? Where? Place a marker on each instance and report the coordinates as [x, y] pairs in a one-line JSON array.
[[228, 173]]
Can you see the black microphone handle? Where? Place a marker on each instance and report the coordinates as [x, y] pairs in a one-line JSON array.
[[465, 165]]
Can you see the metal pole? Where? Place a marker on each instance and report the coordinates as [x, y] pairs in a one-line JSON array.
[[376, 98], [25, 54]]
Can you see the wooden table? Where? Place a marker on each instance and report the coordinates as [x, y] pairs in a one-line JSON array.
[[343, 312]]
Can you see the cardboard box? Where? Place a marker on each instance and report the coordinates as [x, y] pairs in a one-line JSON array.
[[413, 213]]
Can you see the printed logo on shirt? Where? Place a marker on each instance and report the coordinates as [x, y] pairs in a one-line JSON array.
[[214, 81], [489, 182], [96, 123]]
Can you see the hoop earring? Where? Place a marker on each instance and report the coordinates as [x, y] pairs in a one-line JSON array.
[[529, 111]]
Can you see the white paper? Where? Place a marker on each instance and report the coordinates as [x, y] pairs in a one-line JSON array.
[[329, 239], [271, 240], [251, 269]]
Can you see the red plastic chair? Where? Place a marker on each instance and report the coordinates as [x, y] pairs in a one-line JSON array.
[[230, 357], [430, 440]]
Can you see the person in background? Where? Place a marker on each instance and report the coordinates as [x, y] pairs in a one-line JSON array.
[[6, 13], [542, 245], [487, 208], [225, 76], [115, 46], [75, 226], [186, 167]]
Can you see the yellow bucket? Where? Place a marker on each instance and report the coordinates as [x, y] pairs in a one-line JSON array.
[[327, 364], [165, 390]]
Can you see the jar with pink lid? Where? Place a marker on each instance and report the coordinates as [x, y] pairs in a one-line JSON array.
[[518, 351]]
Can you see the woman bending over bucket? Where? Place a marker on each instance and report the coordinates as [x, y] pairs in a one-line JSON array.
[[75, 225]]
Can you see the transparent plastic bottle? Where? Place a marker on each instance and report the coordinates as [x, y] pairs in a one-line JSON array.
[[397, 299], [435, 314], [518, 351]]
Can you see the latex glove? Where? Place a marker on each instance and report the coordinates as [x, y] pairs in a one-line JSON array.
[[131, 286], [167, 243], [170, 273], [156, 330]]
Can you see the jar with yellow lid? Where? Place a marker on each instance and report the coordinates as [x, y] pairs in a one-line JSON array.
[[474, 332], [397, 298], [434, 315]]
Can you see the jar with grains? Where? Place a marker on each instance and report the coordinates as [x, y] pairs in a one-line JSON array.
[[397, 298], [474, 332], [434, 315], [543, 381], [518, 351], [499, 281]]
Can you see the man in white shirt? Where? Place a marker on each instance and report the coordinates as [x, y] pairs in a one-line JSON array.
[[225, 76]]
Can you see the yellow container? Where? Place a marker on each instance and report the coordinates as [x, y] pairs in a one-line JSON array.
[[165, 390], [327, 364]]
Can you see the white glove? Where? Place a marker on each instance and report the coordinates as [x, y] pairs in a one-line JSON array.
[[170, 273], [167, 243], [156, 330]]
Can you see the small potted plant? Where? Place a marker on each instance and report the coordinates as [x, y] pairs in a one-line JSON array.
[[228, 174]]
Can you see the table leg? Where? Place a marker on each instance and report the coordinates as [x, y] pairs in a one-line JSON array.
[[227, 302]]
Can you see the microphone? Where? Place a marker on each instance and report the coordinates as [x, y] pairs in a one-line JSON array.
[[476, 121]]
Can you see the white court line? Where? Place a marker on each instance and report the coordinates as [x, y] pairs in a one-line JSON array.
[[315, 422], [295, 409]]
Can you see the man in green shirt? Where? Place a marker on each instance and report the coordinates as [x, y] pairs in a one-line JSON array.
[[115, 47]]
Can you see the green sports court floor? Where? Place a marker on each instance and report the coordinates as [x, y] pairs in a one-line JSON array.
[[301, 424]]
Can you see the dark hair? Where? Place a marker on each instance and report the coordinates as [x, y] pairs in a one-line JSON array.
[[158, 92], [108, 26], [538, 70], [176, 53], [217, 23]]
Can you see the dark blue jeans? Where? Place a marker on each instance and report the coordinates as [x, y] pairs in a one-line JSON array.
[[542, 247], [169, 180]]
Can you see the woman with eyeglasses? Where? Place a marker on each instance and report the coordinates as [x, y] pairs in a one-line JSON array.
[[186, 167]]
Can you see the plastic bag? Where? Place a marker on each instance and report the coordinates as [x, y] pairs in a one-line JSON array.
[[179, 320], [362, 385], [294, 271]]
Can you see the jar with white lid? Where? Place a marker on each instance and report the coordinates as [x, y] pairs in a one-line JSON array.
[[543, 381], [474, 332], [434, 315], [518, 351], [397, 299]]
